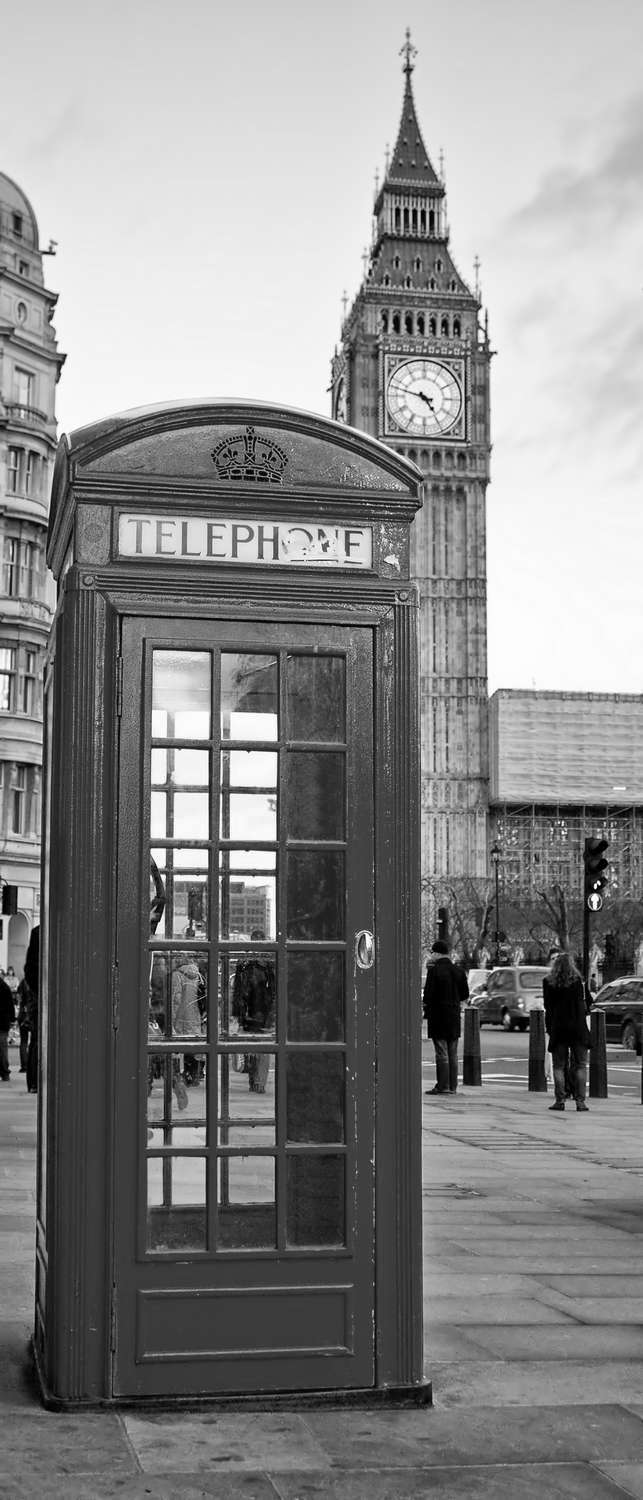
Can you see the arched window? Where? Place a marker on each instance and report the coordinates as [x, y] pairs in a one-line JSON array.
[[397, 218], [408, 322], [444, 327], [406, 220], [437, 459], [396, 322], [431, 283], [417, 264], [462, 464], [438, 265], [452, 286], [385, 322], [387, 280], [431, 221], [422, 221], [432, 326], [420, 322], [396, 262], [408, 283], [414, 220], [456, 328]]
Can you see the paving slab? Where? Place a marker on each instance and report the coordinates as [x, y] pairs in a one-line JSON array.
[[498, 1382], [558, 1341], [229, 1440], [480, 1482], [143, 1487], [629, 1477]]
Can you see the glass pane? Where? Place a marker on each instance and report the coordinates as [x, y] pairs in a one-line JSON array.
[[176, 1093], [179, 815], [249, 768], [183, 904], [254, 992], [315, 894], [181, 695], [246, 1115], [189, 990], [180, 767], [176, 1203], [247, 903], [248, 815], [315, 1097], [315, 794], [249, 696], [316, 698], [316, 1196], [247, 1214], [315, 997]]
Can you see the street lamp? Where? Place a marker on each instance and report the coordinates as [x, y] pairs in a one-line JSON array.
[[496, 856]]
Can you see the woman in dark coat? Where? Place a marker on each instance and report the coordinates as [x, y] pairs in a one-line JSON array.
[[566, 1026], [445, 990]]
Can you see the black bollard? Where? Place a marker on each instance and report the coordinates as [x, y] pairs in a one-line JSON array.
[[597, 1057], [537, 1082], [471, 1064]]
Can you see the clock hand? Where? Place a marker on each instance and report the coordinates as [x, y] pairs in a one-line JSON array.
[[428, 399]]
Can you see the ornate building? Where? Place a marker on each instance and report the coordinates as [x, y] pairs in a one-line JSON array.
[[413, 370], [30, 365]]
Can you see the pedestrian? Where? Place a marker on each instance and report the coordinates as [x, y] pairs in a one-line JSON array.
[[253, 1005], [32, 977], [566, 1025], [23, 993], [7, 1018], [186, 1022], [445, 989]]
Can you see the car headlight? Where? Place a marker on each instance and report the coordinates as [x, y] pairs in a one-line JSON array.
[[520, 1004]]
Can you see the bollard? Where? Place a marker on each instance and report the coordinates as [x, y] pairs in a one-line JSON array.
[[597, 1056], [537, 1082], [471, 1064]]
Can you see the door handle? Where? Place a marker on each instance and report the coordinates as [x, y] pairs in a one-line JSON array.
[[364, 949]]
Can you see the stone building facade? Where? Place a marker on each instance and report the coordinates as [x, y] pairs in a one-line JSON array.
[[30, 365]]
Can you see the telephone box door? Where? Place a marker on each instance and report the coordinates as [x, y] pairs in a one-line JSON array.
[[244, 1191]]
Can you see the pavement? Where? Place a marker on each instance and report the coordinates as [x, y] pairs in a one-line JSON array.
[[533, 1228]]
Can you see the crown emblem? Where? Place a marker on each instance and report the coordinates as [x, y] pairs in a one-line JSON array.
[[246, 456]]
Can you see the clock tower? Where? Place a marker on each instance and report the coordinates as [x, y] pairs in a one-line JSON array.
[[413, 370]]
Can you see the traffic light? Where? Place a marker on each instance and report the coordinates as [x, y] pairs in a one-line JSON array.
[[443, 924], [595, 866]]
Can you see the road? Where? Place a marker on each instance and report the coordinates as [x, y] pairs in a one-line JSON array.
[[505, 1057]]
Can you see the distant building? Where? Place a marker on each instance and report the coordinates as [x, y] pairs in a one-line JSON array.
[[30, 366], [565, 766]]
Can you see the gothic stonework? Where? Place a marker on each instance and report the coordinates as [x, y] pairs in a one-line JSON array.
[[413, 369]]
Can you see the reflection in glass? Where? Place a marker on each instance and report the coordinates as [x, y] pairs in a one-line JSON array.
[[246, 902], [315, 794], [247, 998], [315, 997], [246, 1117], [181, 691], [176, 1090], [247, 1217], [179, 815], [180, 767], [249, 696], [316, 1196], [316, 698], [176, 1203], [315, 1097], [186, 896], [315, 894], [249, 815]]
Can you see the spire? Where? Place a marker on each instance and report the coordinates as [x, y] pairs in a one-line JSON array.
[[410, 162]]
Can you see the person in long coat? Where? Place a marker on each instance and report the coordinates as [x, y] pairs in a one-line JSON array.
[[566, 1010], [445, 990]]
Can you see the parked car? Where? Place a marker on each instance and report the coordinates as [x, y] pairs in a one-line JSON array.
[[510, 995], [621, 1002]]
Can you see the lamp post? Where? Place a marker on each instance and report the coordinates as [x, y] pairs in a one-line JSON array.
[[496, 856]]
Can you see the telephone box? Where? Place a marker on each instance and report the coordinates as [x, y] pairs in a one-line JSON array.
[[229, 1185]]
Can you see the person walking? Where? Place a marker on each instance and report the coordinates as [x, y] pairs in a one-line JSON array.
[[445, 989], [566, 1026], [7, 1018]]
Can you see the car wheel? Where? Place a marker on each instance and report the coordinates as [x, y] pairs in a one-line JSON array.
[[507, 1021], [629, 1038]]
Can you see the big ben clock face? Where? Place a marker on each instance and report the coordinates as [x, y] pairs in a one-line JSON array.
[[423, 397]]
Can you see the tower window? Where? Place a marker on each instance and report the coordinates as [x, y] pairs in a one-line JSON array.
[[406, 221], [414, 220], [444, 327], [431, 283], [397, 218], [23, 268], [396, 262], [385, 322], [452, 286], [456, 328], [417, 264], [387, 280], [407, 282], [431, 221], [420, 322], [422, 221], [408, 322], [433, 328], [396, 322], [16, 224], [438, 265]]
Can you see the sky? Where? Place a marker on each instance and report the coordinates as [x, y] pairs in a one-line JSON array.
[[207, 171]]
